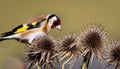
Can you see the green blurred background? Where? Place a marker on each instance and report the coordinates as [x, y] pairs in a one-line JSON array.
[[75, 14]]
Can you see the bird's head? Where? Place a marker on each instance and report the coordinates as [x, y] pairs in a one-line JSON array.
[[54, 21]]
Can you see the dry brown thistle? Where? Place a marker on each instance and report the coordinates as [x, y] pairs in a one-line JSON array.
[[112, 54], [68, 50], [92, 41], [39, 53]]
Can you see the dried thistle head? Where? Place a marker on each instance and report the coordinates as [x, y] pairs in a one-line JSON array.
[[113, 53], [40, 53], [93, 39], [68, 49]]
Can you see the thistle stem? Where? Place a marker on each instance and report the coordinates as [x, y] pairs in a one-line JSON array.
[[38, 66], [86, 60], [116, 67]]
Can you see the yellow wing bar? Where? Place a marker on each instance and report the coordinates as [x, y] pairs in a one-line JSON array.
[[34, 23], [21, 28], [24, 28]]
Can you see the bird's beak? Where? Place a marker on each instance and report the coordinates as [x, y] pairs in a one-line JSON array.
[[58, 27]]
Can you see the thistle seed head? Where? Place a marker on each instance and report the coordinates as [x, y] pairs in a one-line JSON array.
[[40, 53], [113, 53], [93, 39]]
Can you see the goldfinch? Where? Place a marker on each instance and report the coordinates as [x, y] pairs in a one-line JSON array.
[[33, 28]]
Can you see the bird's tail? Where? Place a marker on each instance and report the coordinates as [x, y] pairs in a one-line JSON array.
[[2, 39], [86, 61], [4, 35]]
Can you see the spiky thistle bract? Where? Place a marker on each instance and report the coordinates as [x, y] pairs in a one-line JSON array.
[[68, 50], [112, 55]]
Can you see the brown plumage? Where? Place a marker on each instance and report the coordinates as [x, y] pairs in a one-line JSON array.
[[36, 19]]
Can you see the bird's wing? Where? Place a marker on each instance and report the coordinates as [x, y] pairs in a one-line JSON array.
[[30, 24], [24, 27]]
